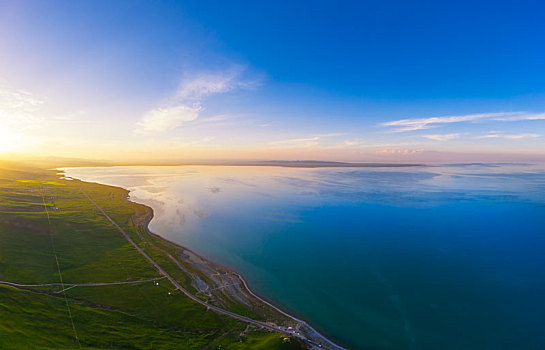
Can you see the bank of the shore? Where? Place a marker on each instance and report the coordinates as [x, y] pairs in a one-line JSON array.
[[314, 338]]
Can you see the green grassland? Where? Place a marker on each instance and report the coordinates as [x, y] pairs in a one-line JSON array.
[[89, 248]]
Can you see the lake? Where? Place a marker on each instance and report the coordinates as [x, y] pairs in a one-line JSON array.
[[438, 257]]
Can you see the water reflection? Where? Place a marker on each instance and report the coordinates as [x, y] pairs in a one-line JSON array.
[[443, 257]]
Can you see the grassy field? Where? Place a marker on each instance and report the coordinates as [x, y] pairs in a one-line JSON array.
[[81, 244]]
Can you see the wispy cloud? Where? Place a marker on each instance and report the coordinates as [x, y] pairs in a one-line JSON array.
[[24, 110], [186, 104], [19, 108], [295, 141], [199, 86], [167, 118], [19, 100], [523, 116], [509, 137], [311, 140], [361, 144], [404, 151], [404, 125], [442, 137]]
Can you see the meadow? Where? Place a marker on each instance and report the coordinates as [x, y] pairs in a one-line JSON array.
[[56, 247]]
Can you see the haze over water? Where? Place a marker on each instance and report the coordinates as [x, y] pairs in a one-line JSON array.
[[446, 257]]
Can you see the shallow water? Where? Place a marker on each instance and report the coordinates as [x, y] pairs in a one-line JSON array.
[[448, 257]]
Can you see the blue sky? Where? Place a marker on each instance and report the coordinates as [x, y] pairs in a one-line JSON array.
[[389, 80]]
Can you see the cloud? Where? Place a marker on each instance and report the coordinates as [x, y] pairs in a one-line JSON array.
[[523, 116], [204, 84], [166, 118], [186, 104], [509, 137], [19, 108], [312, 140], [399, 151], [23, 110], [332, 134], [295, 141], [443, 137], [19, 100], [403, 125]]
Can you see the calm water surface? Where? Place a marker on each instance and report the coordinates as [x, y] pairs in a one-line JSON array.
[[449, 257]]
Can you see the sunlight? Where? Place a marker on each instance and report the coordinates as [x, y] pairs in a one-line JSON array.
[[9, 140]]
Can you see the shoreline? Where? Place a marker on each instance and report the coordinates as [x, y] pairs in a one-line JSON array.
[[231, 270], [311, 336], [286, 314]]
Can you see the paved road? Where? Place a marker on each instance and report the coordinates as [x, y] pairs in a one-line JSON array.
[[88, 284], [208, 306]]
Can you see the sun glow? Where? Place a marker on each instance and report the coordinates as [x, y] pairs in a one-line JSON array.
[[9, 140]]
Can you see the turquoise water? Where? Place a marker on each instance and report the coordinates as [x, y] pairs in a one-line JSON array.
[[449, 257]]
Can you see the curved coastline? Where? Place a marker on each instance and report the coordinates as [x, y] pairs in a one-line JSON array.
[[314, 332], [313, 337], [286, 314]]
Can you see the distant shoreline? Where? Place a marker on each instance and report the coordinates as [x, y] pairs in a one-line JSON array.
[[281, 163], [78, 163]]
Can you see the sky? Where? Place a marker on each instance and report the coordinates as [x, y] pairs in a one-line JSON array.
[[392, 81]]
